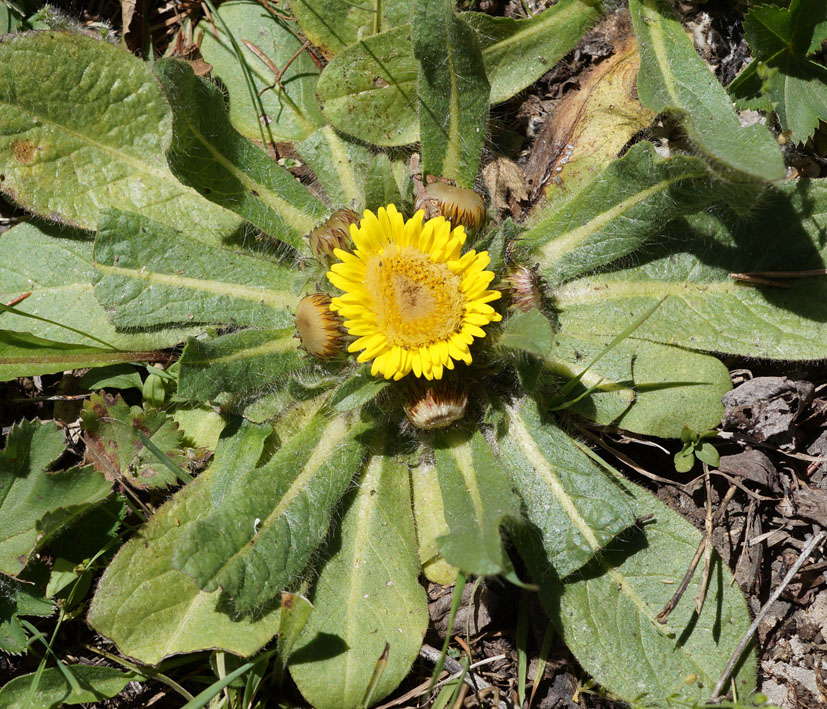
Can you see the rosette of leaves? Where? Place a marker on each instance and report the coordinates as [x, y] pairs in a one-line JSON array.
[[174, 228]]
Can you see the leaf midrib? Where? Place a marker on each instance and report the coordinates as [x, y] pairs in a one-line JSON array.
[[278, 346], [361, 541], [297, 219], [143, 167], [557, 248], [329, 439], [276, 299]]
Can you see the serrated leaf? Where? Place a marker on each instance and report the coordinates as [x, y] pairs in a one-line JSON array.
[[622, 208], [151, 610], [477, 499], [263, 533], [643, 387], [569, 503], [366, 595], [781, 40], [674, 78], [24, 355], [238, 362], [374, 79], [707, 309], [290, 110], [332, 25], [518, 52], [528, 332], [85, 127], [339, 164], [201, 424], [115, 448], [453, 92], [208, 154], [606, 612], [60, 283], [53, 690], [147, 274], [34, 503], [19, 599]]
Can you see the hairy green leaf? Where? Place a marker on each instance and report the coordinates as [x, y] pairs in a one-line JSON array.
[[622, 208], [674, 78], [25, 355], [429, 513], [333, 25], [374, 79], [606, 612], [568, 502], [381, 187], [18, 599], [146, 274], [477, 499], [84, 127], [518, 52], [642, 386], [290, 108], [116, 449], [34, 503], [705, 307], [151, 610], [453, 92], [238, 362], [366, 595], [528, 332], [295, 612], [60, 283], [209, 155], [781, 40], [260, 538], [357, 390], [339, 164], [53, 689]]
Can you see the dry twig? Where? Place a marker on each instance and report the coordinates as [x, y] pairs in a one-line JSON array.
[[690, 572], [736, 655]]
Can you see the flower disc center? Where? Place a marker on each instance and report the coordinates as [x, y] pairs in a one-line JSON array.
[[416, 301]]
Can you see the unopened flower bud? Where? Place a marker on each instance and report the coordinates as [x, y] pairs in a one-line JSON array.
[[458, 205], [435, 406], [319, 329], [333, 234], [524, 287]]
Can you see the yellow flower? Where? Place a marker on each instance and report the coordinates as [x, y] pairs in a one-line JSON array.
[[414, 302]]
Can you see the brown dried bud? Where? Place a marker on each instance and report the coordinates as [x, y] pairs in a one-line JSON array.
[[524, 288], [458, 205], [320, 329], [435, 406], [333, 234]]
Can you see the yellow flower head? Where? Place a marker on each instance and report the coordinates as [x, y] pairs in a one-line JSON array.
[[414, 302]]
